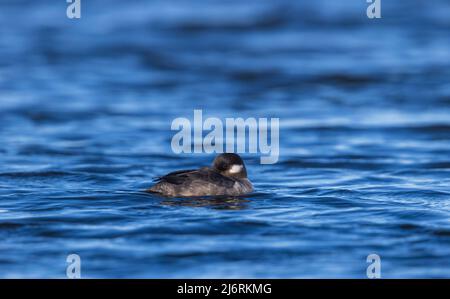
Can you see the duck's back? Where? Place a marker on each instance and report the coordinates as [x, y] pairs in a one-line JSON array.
[[201, 182]]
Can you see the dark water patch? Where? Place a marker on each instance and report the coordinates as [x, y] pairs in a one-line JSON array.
[[347, 80], [442, 233], [93, 169], [433, 128], [48, 116], [38, 174], [363, 165], [10, 225], [436, 165], [410, 227], [46, 151]]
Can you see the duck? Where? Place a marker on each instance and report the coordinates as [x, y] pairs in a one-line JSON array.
[[227, 176]]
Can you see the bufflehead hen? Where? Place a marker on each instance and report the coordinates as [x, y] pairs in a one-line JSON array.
[[227, 176]]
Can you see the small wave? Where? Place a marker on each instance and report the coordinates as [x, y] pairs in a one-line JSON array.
[[36, 174]]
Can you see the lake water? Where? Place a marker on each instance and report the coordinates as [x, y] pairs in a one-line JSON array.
[[85, 113]]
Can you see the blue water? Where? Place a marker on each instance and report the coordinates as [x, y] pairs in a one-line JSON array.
[[85, 113]]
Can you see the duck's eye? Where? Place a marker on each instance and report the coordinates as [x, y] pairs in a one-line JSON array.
[[235, 168]]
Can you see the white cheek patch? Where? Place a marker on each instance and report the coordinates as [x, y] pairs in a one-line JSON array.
[[236, 168]]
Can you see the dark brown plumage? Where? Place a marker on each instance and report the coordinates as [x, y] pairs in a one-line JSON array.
[[227, 176]]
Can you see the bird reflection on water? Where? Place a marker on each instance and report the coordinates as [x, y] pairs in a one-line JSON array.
[[214, 202]]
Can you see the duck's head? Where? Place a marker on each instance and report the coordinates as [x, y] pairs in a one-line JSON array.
[[230, 165]]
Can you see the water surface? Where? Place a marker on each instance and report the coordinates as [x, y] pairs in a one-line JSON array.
[[85, 113]]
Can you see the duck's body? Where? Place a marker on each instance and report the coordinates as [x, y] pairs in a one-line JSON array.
[[227, 176]]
